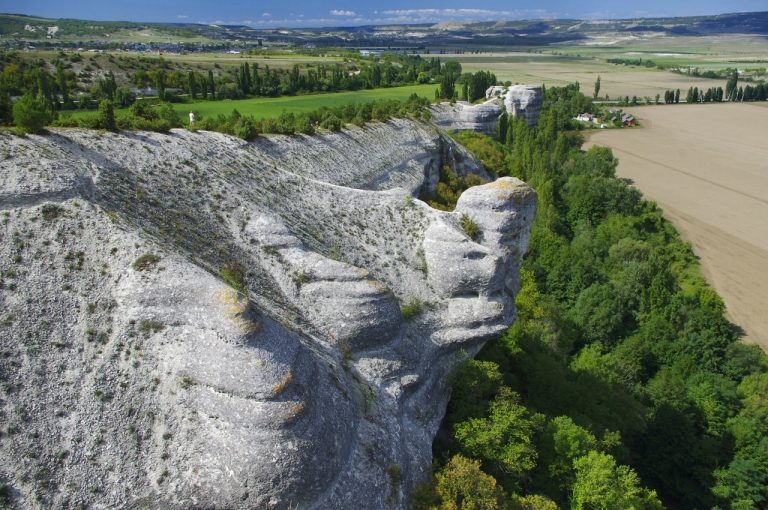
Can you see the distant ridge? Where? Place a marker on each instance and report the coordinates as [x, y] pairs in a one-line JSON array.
[[21, 27]]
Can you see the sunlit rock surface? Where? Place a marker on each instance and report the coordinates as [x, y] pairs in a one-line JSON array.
[[136, 381]]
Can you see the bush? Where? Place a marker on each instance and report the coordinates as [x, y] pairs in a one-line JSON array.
[[51, 211], [124, 97], [142, 109], [146, 261], [331, 122], [166, 112], [304, 125], [410, 309], [234, 274], [106, 118], [245, 128], [31, 114], [150, 326]]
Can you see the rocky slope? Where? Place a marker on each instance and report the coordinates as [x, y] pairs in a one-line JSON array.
[[135, 375]]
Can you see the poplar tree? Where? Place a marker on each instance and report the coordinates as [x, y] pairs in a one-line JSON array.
[[211, 85]]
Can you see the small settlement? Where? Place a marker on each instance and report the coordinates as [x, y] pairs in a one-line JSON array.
[[615, 117]]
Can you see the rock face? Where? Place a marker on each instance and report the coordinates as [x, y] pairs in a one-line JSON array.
[[494, 91], [525, 102], [521, 101], [135, 375], [463, 116]]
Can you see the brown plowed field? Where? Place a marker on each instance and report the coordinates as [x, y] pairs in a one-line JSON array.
[[707, 167]]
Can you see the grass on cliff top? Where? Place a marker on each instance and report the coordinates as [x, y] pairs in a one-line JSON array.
[[272, 107]]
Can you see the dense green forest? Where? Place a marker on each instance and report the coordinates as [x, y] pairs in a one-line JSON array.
[[621, 384]]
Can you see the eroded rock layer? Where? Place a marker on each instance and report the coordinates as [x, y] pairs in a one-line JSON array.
[[191, 321]]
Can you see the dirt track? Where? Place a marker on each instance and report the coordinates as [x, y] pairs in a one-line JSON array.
[[707, 167]]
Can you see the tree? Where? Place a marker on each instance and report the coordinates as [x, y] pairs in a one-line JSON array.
[[505, 436], [731, 86], [503, 126], [160, 84], [447, 86], [61, 82], [462, 485], [211, 85], [191, 85], [106, 117], [597, 87], [44, 86], [6, 107], [601, 484], [599, 313], [31, 114], [677, 96]]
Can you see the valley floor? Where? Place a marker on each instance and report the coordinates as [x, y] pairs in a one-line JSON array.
[[707, 167]]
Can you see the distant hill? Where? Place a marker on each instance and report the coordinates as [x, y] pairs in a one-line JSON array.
[[479, 34]]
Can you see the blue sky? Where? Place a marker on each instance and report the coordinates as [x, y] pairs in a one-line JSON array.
[[297, 13]]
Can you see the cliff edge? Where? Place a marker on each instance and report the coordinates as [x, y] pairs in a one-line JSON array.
[[192, 321]]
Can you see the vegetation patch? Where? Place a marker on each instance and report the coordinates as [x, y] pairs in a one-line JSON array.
[[146, 262], [283, 384], [395, 478], [469, 227], [411, 309], [50, 212], [449, 188], [234, 275], [150, 326]]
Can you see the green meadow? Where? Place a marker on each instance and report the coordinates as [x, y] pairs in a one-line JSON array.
[[270, 107]]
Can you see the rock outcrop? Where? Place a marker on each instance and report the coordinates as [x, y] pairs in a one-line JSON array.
[[463, 116], [520, 101], [191, 321], [525, 102]]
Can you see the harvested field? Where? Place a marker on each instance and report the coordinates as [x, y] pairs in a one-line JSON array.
[[707, 167], [615, 80]]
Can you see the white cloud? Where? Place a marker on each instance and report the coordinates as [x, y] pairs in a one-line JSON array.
[[405, 15], [339, 12], [266, 15], [182, 16]]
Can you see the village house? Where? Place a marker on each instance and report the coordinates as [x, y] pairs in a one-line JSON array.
[[628, 120]]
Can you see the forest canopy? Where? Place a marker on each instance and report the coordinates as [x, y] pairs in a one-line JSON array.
[[621, 384]]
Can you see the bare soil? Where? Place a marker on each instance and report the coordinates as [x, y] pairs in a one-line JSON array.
[[707, 167]]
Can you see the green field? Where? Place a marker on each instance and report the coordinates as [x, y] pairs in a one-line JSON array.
[[269, 107], [273, 106]]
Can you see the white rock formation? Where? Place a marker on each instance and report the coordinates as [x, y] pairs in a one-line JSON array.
[[521, 101], [524, 101], [463, 116], [137, 382], [494, 91]]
